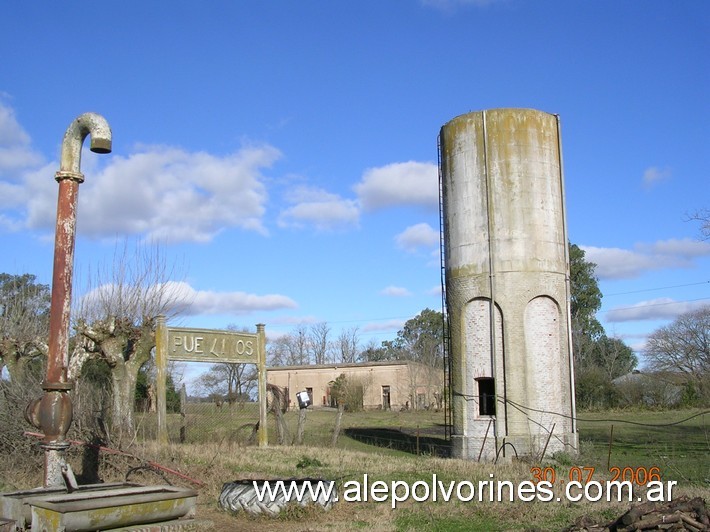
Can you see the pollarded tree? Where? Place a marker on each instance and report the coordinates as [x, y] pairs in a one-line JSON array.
[[24, 322], [116, 320], [684, 347]]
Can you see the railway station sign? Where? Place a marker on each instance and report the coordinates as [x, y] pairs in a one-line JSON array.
[[211, 346]]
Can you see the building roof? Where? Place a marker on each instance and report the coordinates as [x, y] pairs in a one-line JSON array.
[[344, 365]]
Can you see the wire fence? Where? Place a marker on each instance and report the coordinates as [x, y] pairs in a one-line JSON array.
[[674, 442], [205, 422]]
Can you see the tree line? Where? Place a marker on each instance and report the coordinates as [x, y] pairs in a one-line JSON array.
[[419, 340], [114, 335]]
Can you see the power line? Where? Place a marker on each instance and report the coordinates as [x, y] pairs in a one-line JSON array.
[[519, 407], [657, 304], [654, 289]]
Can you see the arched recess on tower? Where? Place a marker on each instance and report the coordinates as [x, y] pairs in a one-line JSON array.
[[547, 369], [484, 365]]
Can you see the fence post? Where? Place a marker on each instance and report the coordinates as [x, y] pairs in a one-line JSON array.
[[544, 449], [183, 413], [485, 437], [261, 372], [338, 419], [611, 438], [301, 426]]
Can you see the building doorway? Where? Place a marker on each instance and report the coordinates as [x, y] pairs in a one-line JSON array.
[[386, 398]]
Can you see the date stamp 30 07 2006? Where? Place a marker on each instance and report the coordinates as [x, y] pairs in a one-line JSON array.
[[640, 476]]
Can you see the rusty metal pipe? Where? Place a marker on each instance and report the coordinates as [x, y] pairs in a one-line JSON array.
[[52, 413], [69, 177]]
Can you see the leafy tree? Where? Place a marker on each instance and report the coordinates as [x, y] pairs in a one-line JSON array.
[[337, 388], [374, 353], [348, 393], [420, 340], [613, 357], [598, 358], [24, 323], [585, 297], [684, 347], [594, 390]]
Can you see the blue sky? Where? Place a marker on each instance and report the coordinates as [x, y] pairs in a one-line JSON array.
[[285, 153]]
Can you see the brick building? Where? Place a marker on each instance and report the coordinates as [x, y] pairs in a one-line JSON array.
[[386, 385]]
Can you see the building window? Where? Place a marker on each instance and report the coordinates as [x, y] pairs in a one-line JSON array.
[[486, 396]]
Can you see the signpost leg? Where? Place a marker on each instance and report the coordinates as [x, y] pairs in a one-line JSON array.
[[161, 363], [261, 370]]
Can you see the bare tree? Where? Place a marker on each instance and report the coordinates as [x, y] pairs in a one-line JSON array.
[[684, 347], [232, 382], [116, 320], [348, 344], [702, 216], [290, 349], [318, 343]]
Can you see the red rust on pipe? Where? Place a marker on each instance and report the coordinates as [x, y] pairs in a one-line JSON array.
[[62, 284]]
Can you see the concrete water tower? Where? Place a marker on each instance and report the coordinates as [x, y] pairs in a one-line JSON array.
[[507, 285]]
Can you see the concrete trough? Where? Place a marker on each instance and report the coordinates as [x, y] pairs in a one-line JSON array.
[[16, 506], [112, 508]]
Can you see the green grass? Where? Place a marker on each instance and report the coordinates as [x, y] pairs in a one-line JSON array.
[[679, 451], [205, 423], [640, 439]]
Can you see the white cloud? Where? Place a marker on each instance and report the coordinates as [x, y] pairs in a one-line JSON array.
[[653, 175], [417, 236], [162, 192], [16, 152], [410, 183], [685, 249], [617, 263], [395, 291], [434, 291], [191, 302], [207, 302], [389, 325], [655, 309], [320, 209]]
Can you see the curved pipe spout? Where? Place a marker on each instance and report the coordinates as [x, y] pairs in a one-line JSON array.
[[88, 123], [53, 412]]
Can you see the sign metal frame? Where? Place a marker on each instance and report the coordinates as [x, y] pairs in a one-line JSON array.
[[211, 346]]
